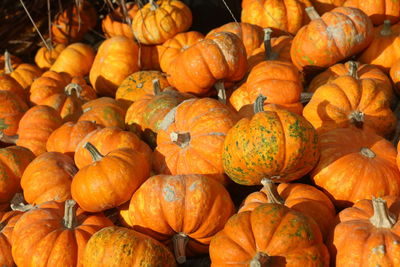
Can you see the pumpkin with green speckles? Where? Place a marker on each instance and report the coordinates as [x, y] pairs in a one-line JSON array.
[[183, 211], [122, 247], [269, 235], [274, 143]]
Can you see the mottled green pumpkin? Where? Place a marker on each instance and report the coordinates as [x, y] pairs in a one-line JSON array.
[[275, 144]]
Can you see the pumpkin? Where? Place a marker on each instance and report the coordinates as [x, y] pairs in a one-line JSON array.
[[187, 210], [191, 140], [8, 59], [301, 197], [170, 49], [279, 81], [123, 215], [326, 40], [220, 56], [281, 16], [86, 91], [367, 234], [76, 60], [158, 21], [377, 10], [48, 84], [115, 24], [356, 164], [36, 126], [12, 108], [395, 75], [73, 23], [116, 58], [149, 58], [55, 234], [7, 222], [145, 116], [323, 6], [45, 58], [8, 83], [66, 138], [48, 177], [119, 172], [347, 101], [13, 162], [119, 246], [269, 235], [139, 84], [108, 139], [275, 144], [251, 35], [105, 111], [384, 49]]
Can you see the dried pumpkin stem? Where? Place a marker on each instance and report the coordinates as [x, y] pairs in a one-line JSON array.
[[127, 19], [8, 68], [181, 139], [305, 97], [353, 67], [367, 152], [221, 92], [271, 191], [180, 241], [69, 220], [259, 103], [357, 118], [267, 44], [387, 28], [8, 139], [154, 6], [18, 203], [96, 155], [261, 259], [312, 13], [156, 86], [382, 217], [73, 87]]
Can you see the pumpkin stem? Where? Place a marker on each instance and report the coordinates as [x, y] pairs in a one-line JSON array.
[[154, 6], [269, 54], [156, 86], [69, 220], [312, 13], [353, 67], [270, 190], [180, 241], [305, 97], [367, 152], [18, 203], [259, 103], [261, 259], [382, 217], [221, 92], [386, 29], [8, 139], [181, 139], [357, 118], [8, 68], [73, 87], [96, 155]]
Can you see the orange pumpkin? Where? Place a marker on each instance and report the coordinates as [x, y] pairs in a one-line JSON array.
[[356, 164], [7, 60], [116, 58], [7, 222], [24, 73], [323, 6], [54, 234], [8, 83], [12, 108], [45, 58], [377, 10], [395, 75], [86, 92], [158, 21], [114, 23], [48, 84], [120, 172], [149, 58], [187, 210], [271, 234]]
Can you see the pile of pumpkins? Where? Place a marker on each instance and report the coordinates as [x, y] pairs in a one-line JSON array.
[[125, 154]]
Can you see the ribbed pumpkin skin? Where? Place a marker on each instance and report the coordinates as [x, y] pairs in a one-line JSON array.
[[12, 109], [25, 74], [41, 233], [122, 247], [76, 60], [323, 6], [36, 126], [68, 106], [8, 83], [275, 144], [13, 162], [346, 175], [170, 50], [281, 16], [48, 84], [301, 197], [333, 104], [106, 140], [191, 204], [113, 24], [220, 56], [7, 222], [207, 121], [384, 49], [48, 177], [45, 58], [289, 237], [116, 58], [66, 138], [377, 10], [156, 24], [119, 173], [338, 34], [355, 241]]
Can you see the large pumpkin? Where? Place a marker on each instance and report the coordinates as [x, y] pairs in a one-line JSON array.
[[110, 180], [377, 10], [275, 144], [191, 140], [356, 164], [334, 36], [186, 210], [54, 234], [270, 235], [12, 109]]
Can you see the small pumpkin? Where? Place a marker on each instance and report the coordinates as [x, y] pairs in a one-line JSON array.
[[115, 24], [377, 10], [12, 109], [8, 83], [8, 59], [7, 222], [45, 58], [323, 6], [49, 83]]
